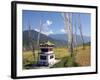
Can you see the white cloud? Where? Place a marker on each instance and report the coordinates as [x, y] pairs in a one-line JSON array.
[[46, 28], [48, 22], [48, 33], [36, 30], [63, 30], [45, 32], [51, 32]]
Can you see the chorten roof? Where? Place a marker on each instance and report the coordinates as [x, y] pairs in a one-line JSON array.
[[47, 44]]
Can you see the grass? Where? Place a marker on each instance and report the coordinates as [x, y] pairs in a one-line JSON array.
[[29, 59], [81, 58], [60, 52], [66, 62]]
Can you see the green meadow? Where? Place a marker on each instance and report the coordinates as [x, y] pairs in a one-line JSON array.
[[81, 57]]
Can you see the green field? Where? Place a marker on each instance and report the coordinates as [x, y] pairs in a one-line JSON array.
[[28, 57], [81, 58]]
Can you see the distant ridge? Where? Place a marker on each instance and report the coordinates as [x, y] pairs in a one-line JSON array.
[[64, 37], [43, 38], [60, 40]]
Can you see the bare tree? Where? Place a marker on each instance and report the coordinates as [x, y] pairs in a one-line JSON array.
[[68, 27], [31, 44], [75, 35], [38, 38], [80, 28]]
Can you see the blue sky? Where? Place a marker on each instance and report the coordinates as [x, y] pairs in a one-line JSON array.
[[52, 22]]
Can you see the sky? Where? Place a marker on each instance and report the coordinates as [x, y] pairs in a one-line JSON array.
[[53, 23]]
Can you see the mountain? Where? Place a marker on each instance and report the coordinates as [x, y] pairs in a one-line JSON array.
[[43, 38], [64, 37], [60, 40], [58, 36]]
